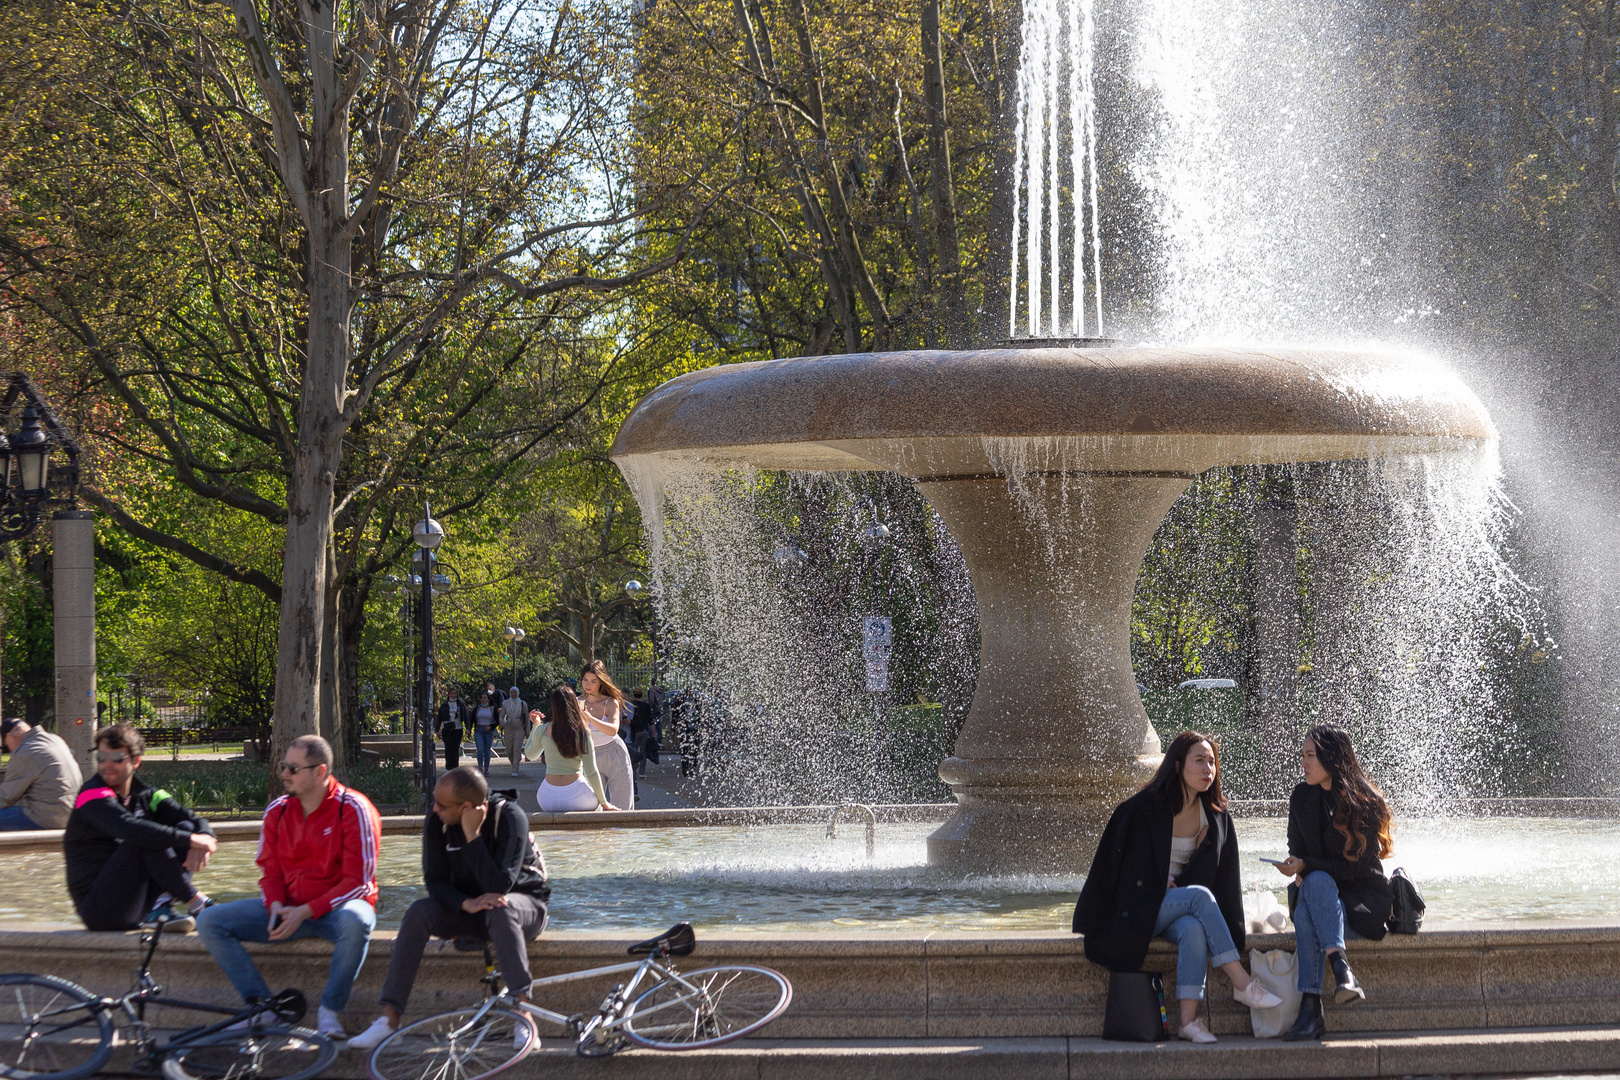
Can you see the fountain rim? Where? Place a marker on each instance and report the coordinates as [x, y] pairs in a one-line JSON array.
[[849, 411]]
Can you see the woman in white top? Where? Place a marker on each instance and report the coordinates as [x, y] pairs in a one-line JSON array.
[[604, 712], [572, 781], [1167, 866]]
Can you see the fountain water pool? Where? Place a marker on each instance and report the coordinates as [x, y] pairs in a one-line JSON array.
[[772, 879]]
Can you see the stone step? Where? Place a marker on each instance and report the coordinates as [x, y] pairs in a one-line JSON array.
[[1392, 1054]]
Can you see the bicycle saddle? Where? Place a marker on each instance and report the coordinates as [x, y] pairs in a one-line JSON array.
[[678, 940], [289, 1006]]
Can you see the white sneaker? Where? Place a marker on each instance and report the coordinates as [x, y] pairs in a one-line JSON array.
[[521, 1034], [330, 1024], [1194, 1031], [372, 1037], [1256, 996]]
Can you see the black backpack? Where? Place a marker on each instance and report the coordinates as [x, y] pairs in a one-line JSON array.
[[1406, 908]]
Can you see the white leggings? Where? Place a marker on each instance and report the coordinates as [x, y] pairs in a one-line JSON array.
[[559, 798]]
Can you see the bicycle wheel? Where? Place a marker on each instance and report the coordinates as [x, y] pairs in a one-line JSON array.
[[274, 1052], [50, 1029], [707, 1007], [463, 1045]]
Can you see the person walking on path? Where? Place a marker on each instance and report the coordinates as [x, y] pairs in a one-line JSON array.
[[572, 781], [484, 880], [130, 848], [514, 728], [486, 715], [643, 738], [42, 779], [318, 878], [453, 721], [605, 711]]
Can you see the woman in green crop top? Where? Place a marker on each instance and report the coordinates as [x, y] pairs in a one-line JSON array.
[[572, 781]]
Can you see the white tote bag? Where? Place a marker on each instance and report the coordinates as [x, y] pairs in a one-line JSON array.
[[1277, 971]]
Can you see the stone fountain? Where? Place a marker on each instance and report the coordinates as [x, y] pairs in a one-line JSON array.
[[1052, 467]]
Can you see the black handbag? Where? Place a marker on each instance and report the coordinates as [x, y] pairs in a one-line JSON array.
[[1135, 1011], [1406, 908]]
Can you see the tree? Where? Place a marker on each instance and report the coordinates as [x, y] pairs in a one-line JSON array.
[[308, 234]]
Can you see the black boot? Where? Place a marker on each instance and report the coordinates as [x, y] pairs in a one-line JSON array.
[[1308, 1024], [1348, 991]]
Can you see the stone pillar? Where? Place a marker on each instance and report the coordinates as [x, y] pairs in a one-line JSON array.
[[74, 595], [1057, 735]]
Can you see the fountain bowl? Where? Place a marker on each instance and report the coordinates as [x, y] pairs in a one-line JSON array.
[[1052, 467]]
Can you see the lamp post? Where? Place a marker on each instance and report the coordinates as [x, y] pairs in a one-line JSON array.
[[429, 534], [514, 634]]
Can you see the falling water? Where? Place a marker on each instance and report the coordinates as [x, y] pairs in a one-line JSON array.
[[1056, 104]]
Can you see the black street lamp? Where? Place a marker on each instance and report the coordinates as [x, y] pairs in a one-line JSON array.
[[30, 480], [429, 534], [514, 634]]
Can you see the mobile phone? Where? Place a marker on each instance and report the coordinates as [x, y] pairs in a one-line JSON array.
[[1273, 862]]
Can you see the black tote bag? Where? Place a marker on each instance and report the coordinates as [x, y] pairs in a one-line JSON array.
[[1135, 1011]]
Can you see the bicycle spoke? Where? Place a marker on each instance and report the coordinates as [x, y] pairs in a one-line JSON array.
[[461, 1045], [706, 1007], [50, 1028]]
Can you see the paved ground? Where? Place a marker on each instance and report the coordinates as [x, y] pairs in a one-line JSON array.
[[1396, 1054]]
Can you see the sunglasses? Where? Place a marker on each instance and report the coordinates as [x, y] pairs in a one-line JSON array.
[[104, 756], [293, 770]]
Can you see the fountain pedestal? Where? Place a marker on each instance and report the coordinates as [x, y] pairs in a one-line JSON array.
[[1057, 735]]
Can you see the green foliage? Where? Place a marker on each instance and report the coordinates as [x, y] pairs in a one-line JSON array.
[[239, 785]]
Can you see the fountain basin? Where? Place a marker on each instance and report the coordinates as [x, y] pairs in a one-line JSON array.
[[769, 880], [1052, 468]]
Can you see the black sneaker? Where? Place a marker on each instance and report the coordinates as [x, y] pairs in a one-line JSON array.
[[1347, 991]]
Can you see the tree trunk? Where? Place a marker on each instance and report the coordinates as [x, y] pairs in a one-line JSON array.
[[305, 565], [352, 626], [948, 276]]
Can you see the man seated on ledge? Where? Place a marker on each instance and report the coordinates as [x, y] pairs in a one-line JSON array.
[[130, 848], [318, 878], [41, 780], [484, 880]]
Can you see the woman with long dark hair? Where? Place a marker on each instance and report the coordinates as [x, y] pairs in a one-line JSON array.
[[605, 712], [1338, 831], [1167, 866], [572, 781]]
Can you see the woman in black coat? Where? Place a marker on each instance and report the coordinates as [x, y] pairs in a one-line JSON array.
[[1338, 830], [1167, 865]]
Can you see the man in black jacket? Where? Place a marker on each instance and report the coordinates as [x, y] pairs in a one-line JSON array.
[[129, 846], [484, 880]]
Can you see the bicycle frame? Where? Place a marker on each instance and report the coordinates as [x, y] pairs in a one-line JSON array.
[[642, 968]]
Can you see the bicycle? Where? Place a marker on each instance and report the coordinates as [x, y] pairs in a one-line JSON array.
[[52, 1029], [674, 1012]]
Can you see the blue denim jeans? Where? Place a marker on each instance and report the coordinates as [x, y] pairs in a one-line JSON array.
[[1318, 927], [484, 738], [12, 819], [1191, 919], [224, 927]]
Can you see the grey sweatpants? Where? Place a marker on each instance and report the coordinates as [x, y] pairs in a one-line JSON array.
[[509, 929]]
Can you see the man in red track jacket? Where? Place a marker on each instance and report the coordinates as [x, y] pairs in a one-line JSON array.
[[318, 878]]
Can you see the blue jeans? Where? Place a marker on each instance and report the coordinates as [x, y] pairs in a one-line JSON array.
[[1318, 927], [484, 739], [224, 927], [12, 819], [1191, 919]]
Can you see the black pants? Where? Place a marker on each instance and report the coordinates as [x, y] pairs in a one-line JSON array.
[[129, 885], [509, 929], [452, 747]]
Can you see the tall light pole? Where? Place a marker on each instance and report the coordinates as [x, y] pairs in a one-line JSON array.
[[429, 534], [514, 634]]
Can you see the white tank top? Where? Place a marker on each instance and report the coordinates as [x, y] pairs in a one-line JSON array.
[[599, 738], [1182, 847]]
